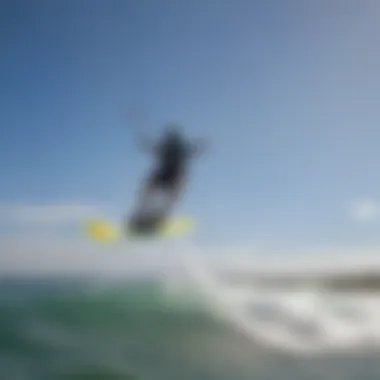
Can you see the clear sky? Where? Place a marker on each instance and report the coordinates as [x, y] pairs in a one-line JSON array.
[[288, 92]]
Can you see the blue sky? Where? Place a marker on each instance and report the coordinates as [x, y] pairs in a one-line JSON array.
[[287, 92]]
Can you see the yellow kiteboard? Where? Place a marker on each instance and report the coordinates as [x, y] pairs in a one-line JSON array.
[[107, 232]]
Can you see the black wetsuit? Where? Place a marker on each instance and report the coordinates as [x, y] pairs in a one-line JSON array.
[[173, 155]]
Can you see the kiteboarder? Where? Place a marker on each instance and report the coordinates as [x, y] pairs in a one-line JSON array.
[[171, 155]]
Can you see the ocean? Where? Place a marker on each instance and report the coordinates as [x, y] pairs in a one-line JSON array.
[[156, 329]]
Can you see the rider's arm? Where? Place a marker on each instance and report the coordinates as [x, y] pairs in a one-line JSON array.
[[147, 145], [199, 147]]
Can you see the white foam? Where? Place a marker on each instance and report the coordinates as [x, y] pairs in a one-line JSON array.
[[303, 321]]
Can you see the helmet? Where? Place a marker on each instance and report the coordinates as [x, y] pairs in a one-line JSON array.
[[173, 132]]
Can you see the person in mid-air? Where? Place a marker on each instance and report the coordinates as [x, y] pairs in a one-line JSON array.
[[172, 155]]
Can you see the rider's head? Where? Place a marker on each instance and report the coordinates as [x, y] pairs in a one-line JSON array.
[[173, 132]]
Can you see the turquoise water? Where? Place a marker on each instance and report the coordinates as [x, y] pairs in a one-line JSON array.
[[72, 329]]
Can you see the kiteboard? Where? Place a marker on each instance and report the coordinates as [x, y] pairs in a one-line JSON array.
[[107, 232]]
